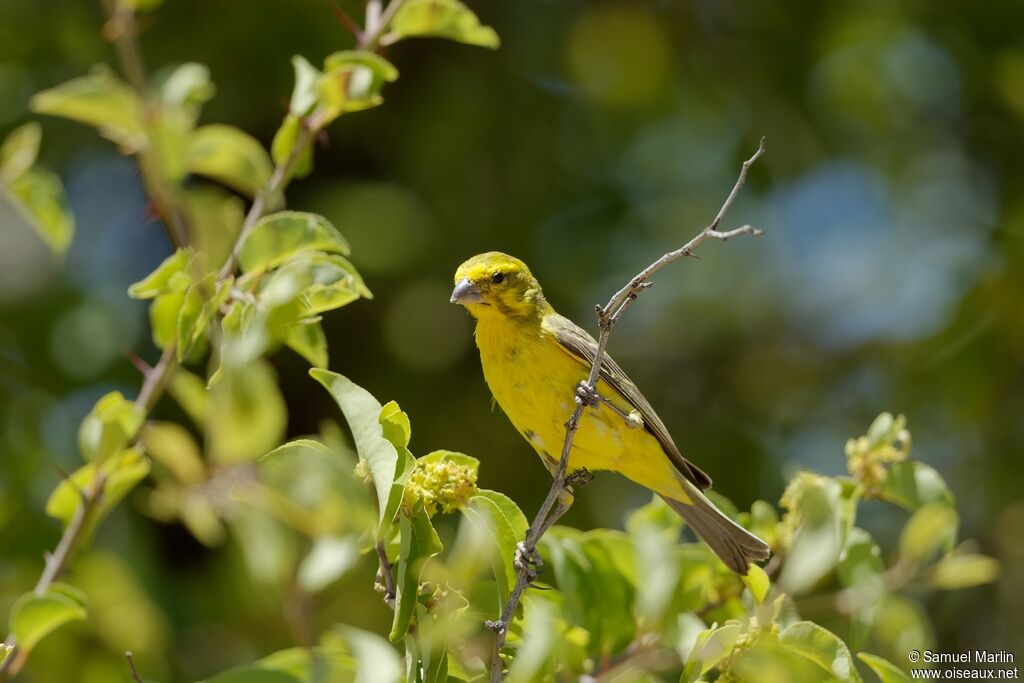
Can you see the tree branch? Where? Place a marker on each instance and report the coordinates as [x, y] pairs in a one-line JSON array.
[[131, 666], [586, 395]]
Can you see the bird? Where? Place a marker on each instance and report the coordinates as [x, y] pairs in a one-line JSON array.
[[533, 358]]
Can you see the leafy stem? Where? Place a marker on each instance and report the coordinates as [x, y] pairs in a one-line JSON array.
[[584, 395]]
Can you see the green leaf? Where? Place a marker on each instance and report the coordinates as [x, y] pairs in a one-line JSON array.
[[819, 539], [33, 617], [442, 19], [5, 650], [172, 446], [758, 583], [533, 657], [201, 303], [108, 427], [163, 318], [712, 646], [822, 647], [376, 660], [172, 275], [213, 218], [930, 528], [886, 671], [191, 394], [861, 560], [121, 474], [419, 542], [294, 665], [100, 100], [19, 151], [38, 197], [247, 414], [352, 81], [363, 414], [307, 339], [325, 282], [285, 142], [304, 95], [280, 236], [187, 88], [964, 571], [507, 524], [230, 156], [911, 484]]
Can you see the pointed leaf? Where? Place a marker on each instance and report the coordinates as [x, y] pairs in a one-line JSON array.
[[230, 156], [277, 237], [101, 100], [19, 151], [442, 19], [419, 542], [33, 617]]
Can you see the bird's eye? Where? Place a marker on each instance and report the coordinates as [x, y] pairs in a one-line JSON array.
[[498, 278]]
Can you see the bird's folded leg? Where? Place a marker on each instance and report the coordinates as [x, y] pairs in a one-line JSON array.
[[527, 560], [587, 394]]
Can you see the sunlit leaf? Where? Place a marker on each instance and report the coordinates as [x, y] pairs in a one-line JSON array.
[[419, 542], [187, 88], [861, 559], [327, 281], [327, 561], [287, 146], [362, 412], [201, 519], [818, 540], [172, 446], [911, 484], [931, 527], [170, 276], [711, 647], [108, 427], [307, 339], [230, 156], [822, 647], [101, 100], [304, 94], [213, 219], [506, 524], [376, 659], [886, 671], [964, 570], [758, 582], [247, 413], [191, 394], [33, 617], [294, 665], [38, 197], [280, 236], [352, 81], [120, 475], [19, 151], [533, 656], [442, 19]]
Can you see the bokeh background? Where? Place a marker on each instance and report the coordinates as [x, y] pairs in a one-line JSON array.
[[600, 135]]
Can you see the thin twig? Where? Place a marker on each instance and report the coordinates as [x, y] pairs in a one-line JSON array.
[[131, 665], [386, 574], [585, 394], [122, 32]]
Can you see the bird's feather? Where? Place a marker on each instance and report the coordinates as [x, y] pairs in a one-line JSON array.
[[583, 347]]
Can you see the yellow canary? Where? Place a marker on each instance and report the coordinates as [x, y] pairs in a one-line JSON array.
[[532, 358]]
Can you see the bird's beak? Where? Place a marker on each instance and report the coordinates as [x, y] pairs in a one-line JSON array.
[[465, 293]]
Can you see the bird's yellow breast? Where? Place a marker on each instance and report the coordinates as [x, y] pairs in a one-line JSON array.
[[533, 378]]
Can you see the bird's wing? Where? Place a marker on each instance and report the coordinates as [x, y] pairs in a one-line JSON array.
[[583, 348]]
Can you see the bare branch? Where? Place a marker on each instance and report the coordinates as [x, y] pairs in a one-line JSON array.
[[131, 665], [607, 316], [385, 576]]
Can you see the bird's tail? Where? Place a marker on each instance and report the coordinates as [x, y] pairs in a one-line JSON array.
[[736, 546]]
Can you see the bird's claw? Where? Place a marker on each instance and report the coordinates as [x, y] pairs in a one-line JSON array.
[[527, 561], [580, 477], [588, 395]]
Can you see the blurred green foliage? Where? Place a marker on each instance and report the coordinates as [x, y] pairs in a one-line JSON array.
[[597, 137]]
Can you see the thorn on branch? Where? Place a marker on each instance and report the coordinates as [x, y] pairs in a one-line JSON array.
[[345, 20]]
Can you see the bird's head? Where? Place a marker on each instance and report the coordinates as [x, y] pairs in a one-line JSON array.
[[497, 284]]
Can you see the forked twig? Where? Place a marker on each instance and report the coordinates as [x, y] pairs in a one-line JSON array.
[[586, 395]]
